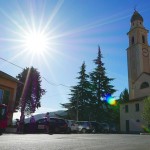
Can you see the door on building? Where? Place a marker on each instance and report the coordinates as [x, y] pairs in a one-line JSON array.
[[127, 126]]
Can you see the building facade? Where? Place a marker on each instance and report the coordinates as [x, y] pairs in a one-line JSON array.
[[8, 88], [138, 58]]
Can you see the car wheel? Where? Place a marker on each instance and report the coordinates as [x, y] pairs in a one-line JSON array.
[[68, 130], [93, 131], [83, 130]]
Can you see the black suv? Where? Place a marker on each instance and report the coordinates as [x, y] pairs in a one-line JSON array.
[[96, 127], [58, 125]]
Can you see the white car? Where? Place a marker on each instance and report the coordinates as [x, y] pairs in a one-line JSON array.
[[72, 126]]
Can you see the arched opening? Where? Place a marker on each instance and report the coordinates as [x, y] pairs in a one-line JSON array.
[[143, 39], [144, 85], [132, 40]]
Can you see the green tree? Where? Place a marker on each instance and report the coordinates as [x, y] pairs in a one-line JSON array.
[[100, 87], [80, 97], [29, 92], [146, 111], [71, 106], [124, 96]]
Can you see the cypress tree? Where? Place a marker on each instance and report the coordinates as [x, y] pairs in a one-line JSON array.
[[78, 106], [124, 96], [101, 86]]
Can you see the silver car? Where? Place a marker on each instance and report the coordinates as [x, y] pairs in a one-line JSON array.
[[72, 126], [84, 126]]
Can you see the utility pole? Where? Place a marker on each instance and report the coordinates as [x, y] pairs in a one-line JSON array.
[[77, 107]]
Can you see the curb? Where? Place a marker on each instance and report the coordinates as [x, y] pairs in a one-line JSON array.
[[11, 130], [144, 133]]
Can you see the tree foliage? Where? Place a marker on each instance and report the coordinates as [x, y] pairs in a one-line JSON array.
[[101, 86], [87, 97], [124, 96], [29, 92], [80, 97], [146, 111]]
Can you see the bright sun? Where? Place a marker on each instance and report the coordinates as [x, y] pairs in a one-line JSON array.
[[36, 42]]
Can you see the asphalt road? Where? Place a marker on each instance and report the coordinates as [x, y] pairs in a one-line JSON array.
[[74, 142]]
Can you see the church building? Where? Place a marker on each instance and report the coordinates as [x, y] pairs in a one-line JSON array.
[[138, 58]]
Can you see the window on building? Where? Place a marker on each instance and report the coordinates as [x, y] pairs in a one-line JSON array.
[[137, 120], [144, 85], [132, 40], [143, 39], [126, 108], [137, 108], [1, 96], [6, 97], [127, 126]]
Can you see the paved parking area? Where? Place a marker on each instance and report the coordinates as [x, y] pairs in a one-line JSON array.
[[74, 142]]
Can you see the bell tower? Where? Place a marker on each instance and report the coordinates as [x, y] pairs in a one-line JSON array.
[[138, 52]]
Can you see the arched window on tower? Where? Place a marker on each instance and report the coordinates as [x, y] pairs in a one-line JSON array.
[[143, 39], [132, 40], [144, 85]]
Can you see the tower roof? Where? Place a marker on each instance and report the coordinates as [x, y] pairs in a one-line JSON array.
[[136, 16]]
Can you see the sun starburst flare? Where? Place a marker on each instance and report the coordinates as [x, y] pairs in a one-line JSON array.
[[36, 42]]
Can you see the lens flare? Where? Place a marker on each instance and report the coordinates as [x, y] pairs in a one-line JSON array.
[[110, 100]]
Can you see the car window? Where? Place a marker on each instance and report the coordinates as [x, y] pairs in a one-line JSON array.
[[60, 121], [87, 123], [93, 123], [41, 121], [73, 122], [83, 123], [79, 123], [52, 120]]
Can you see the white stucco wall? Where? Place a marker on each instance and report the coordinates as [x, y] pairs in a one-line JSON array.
[[132, 116], [138, 92]]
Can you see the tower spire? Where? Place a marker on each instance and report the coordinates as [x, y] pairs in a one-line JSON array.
[[135, 7]]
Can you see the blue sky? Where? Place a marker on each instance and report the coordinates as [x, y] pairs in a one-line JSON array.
[[74, 29]]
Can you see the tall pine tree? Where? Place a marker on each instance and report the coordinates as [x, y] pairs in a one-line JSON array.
[[78, 107], [101, 86], [124, 96]]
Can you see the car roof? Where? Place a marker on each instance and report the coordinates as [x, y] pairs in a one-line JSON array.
[[51, 118], [82, 121]]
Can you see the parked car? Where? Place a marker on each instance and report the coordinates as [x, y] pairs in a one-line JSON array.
[[58, 125], [96, 127], [104, 127], [84, 126], [113, 128], [72, 126]]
